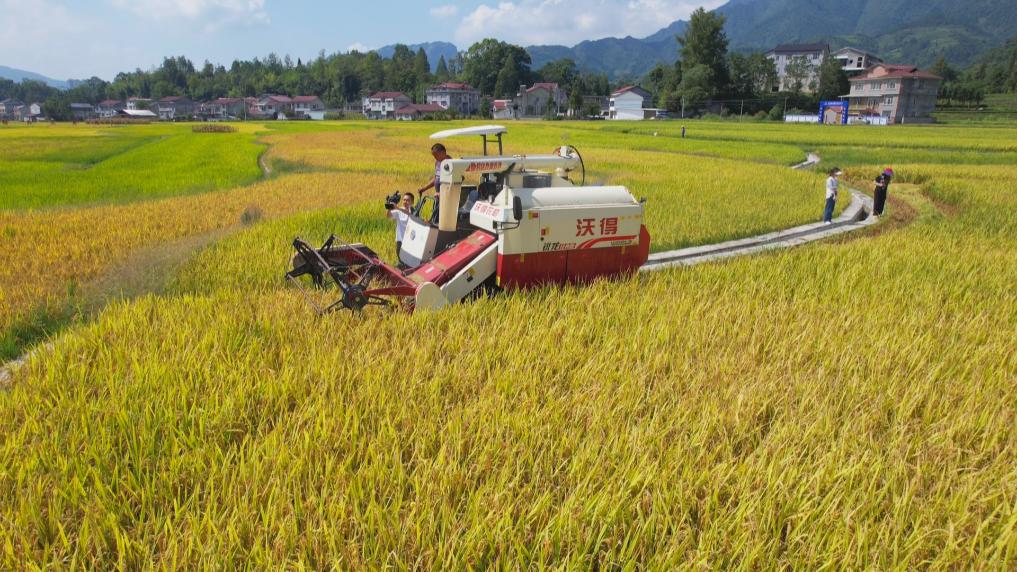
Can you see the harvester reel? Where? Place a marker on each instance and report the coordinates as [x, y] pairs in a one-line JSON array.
[[352, 277]]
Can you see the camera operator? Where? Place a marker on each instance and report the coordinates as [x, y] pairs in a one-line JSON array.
[[400, 213]]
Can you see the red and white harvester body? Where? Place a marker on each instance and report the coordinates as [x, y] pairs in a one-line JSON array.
[[523, 224]]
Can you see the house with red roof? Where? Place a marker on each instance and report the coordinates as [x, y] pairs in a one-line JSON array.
[[308, 107], [631, 103], [415, 111], [541, 100], [460, 98], [383, 104], [224, 108], [898, 93], [504, 109], [109, 108], [175, 107], [274, 106]]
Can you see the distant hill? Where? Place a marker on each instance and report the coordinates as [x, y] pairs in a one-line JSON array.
[[434, 51], [19, 75], [902, 31]]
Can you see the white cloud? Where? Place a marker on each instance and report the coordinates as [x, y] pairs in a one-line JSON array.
[[358, 47], [568, 22], [446, 11], [31, 33], [211, 13]]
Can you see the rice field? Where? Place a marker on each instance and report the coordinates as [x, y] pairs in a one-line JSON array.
[[843, 405]]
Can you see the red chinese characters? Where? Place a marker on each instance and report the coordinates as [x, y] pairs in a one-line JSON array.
[[584, 226], [609, 226]]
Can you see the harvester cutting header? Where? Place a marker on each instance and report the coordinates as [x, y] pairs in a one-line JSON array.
[[524, 223]]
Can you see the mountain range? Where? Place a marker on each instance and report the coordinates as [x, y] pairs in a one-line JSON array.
[[20, 75], [899, 31]]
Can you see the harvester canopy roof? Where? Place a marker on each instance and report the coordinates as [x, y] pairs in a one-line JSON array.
[[484, 130]]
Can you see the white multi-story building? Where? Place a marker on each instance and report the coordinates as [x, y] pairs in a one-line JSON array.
[[383, 104], [810, 55], [460, 98], [853, 60], [631, 103], [308, 107], [109, 108]]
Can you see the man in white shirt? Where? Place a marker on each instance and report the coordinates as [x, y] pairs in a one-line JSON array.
[[832, 185], [401, 215]]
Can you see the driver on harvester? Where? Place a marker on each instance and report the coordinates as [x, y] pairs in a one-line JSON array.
[[439, 153]]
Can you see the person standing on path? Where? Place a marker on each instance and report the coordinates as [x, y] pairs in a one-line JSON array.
[[879, 196], [683, 132], [832, 185]]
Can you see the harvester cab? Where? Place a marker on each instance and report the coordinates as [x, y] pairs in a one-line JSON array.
[[521, 223]]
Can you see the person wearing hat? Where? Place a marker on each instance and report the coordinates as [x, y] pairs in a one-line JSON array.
[[832, 185], [882, 186]]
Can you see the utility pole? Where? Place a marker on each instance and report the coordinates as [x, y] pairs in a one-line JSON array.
[[683, 107], [742, 112]]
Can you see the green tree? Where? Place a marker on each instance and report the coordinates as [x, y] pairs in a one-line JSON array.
[[942, 69], [442, 75], [763, 71], [508, 78], [562, 72], [696, 85], [421, 74], [798, 71], [576, 97], [705, 44], [484, 61], [833, 82]]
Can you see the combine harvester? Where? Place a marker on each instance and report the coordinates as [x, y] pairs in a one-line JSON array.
[[523, 224]]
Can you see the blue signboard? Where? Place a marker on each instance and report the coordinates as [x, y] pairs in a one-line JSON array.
[[833, 112]]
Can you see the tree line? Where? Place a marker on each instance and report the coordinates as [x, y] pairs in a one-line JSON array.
[[495, 68], [706, 75]]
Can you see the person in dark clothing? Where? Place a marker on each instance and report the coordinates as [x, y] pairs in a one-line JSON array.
[[882, 186]]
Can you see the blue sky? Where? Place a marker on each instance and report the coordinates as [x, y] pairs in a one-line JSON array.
[[82, 38]]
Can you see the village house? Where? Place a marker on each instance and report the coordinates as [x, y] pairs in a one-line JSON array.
[[503, 109], [855, 61], [29, 113], [274, 106], [540, 100], [460, 98], [383, 104], [175, 107], [631, 103], [82, 111], [899, 93], [8, 106], [812, 54], [109, 108], [224, 108], [308, 107], [417, 111], [138, 103], [141, 115], [600, 102]]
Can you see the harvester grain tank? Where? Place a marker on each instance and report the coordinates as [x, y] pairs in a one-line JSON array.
[[522, 223]]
